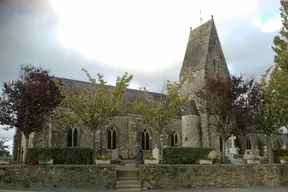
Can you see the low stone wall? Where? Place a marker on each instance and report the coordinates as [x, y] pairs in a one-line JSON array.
[[58, 176], [213, 176]]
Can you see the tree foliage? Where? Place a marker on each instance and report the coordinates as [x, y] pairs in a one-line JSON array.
[[281, 40], [225, 99], [3, 147], [93, 108], [26, 102], [161, 112]]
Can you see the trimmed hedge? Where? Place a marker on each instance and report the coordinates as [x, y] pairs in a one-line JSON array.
[[279, 153], [67, 155], [184, 155]]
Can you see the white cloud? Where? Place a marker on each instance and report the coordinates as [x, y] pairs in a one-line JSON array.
[[147, 36], [271, 25]]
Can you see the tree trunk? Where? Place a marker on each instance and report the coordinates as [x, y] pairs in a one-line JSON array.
[[224, 143], [93, 147], [101, 142], [25, 148], [269, 150], [161, 148]]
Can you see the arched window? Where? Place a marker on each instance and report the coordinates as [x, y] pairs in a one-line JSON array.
[[111, 138], [221, 144], [145, 140], [174, 139], [248, 144], [72, 137]]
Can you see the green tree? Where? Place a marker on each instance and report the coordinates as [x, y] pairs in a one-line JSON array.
[[158, 114], [280, 41], [26, 103], [268, 111], [92, 109], [274, 85], [3, 147], [225, 100]]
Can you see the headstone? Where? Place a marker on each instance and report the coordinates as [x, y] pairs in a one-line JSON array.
[[125, 154], [156, 152], [115, 154], [248, 154], [284, 147], [257, 151], [265, 150]]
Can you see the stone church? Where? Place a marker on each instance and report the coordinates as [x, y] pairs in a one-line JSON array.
[[204, 57]]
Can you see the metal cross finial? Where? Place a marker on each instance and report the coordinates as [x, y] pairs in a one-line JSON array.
[[201, 18]]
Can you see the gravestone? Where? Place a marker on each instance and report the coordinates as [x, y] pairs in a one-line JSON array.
[[257, 151], [248, 154], [115, 154], [233, 149], [156, 152], [284, 147], [265, 150]]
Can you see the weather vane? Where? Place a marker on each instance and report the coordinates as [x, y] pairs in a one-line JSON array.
[[201, 18]]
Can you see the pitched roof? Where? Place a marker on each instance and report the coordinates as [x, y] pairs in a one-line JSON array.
[[197, 47], [77, 86]]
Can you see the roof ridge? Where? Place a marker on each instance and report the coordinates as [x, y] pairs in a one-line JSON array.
[[127, 89]]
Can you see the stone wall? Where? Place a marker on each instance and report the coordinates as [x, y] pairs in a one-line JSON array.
[[58, 176], [214, 176]]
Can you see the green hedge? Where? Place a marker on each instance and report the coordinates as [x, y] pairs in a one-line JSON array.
[[279, 153], [67, 155], [184, 155]]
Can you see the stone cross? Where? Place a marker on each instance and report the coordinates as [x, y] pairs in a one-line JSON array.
[[284, 147], [232, 138]]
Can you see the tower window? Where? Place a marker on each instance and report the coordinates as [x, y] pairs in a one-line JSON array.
[[214, 64], [215, 41]]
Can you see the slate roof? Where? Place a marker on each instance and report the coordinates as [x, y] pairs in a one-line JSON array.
[[77, 86], [197, 47]]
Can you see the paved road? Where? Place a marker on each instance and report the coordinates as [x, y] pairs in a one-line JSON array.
[[284, 189]]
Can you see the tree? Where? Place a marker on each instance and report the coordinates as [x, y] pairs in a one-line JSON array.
[[27, 102], [3, 147], [281, 40], [158, 114], [274, 86], [271, 105], [94, 108], [225, 100]]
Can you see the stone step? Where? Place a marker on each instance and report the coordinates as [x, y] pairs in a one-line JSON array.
[[127, 172], [136, 186], [128, 179], [128, 190], [128, 182]]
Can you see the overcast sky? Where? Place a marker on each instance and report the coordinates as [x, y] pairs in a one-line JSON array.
[[146, 38]]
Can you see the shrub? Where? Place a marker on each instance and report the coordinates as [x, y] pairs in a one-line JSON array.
[[278, 154], [212, 155], [103, 157], [285, 158], [67, 155], [185, 155]]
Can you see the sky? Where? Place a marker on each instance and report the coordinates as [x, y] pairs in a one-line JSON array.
[[145, 38]]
